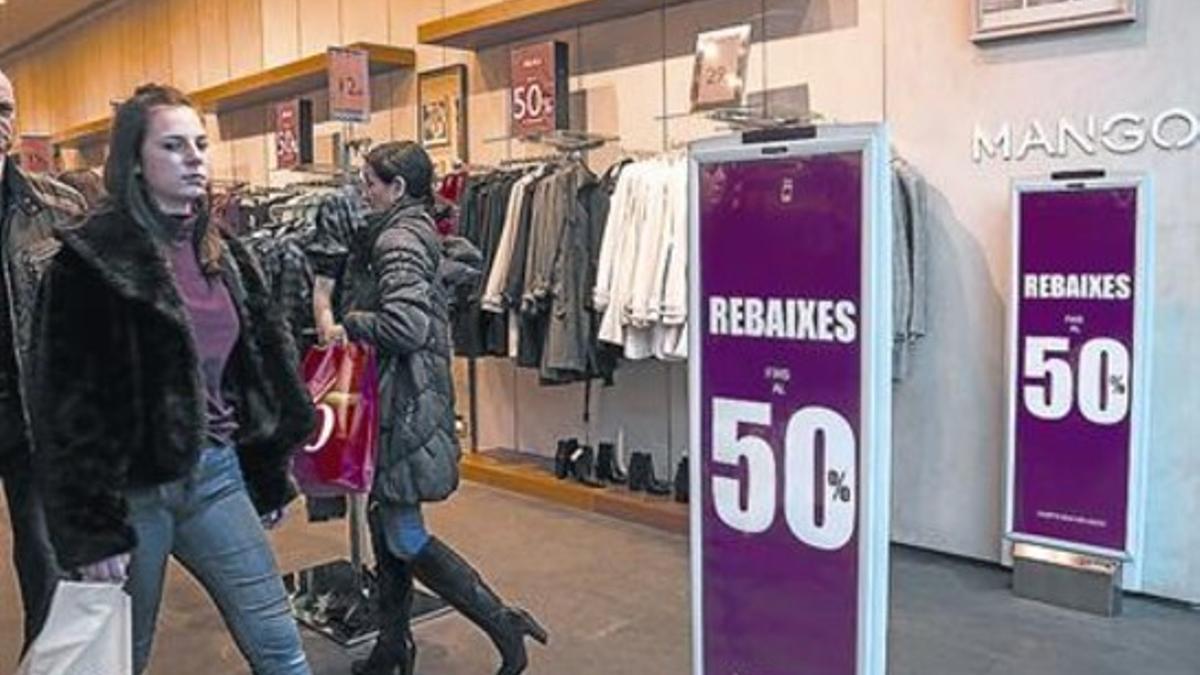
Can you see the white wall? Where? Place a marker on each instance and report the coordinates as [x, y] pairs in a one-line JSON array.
[[913, 63], [949, 417]]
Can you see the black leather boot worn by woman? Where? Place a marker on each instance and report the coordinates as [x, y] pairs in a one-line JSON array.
[[395, 652], [448, 575]]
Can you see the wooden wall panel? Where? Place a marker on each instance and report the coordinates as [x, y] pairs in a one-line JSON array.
[[33, 114], [460, 6], [40, 84], [281, 31], [212, 25], [402, 18], [406, 16], [380, 127], [108, 69], [404, 107], [80, 88], [156, 37], [185, 44], [320, 25], [54, 76], [366, 20], [133, 47], [245, 37], [19, 76], [247, 129], [220, 153]]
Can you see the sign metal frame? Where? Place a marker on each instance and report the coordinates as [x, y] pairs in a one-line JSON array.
[[875, 338], [1140, 378]]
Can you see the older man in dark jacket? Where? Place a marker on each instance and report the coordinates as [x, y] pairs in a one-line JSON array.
[[30, 208]]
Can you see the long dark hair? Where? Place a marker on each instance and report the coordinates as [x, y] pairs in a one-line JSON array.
[[407, 160], [122, 174]]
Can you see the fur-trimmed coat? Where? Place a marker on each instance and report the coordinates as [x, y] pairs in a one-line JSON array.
[[118, 400]]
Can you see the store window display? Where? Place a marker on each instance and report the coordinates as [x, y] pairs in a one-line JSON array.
[[395, 295], [166, 401], [30, 207]]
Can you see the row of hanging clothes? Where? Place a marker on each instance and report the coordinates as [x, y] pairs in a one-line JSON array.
[[641, 287], [538, 224], [580, 269], [296, 232]]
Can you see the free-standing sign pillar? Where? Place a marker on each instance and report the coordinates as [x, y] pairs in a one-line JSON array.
[[790, 402], [1078, 366]]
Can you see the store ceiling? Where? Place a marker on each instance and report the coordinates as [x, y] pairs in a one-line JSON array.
[[21, 20]]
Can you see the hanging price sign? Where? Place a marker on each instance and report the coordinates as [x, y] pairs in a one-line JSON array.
[[790, 393], [1077, 355], [719, 76], [539, 88], [349, 85], [37, 153], [293, 133]]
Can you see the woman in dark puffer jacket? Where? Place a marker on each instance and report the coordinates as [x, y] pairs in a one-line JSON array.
[[395, 295]]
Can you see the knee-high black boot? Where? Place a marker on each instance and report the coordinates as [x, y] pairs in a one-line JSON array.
[[395, 652], [448, 575]]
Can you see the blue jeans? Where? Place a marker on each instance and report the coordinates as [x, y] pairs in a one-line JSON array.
[[207, 522], [403, 530]]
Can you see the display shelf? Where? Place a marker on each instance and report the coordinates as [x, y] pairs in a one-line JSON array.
[[273, 84], [514, 20], [80, 134], [533, 476]]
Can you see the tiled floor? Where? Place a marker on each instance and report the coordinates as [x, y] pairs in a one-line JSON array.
[[615, 597]]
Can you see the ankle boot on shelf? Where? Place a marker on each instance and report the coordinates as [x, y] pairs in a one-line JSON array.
[[395, 652], [637, 472], [583, 467], [451, 577], [562, 457], [641, 475], [607, 467], [655, 486], [683, 481]]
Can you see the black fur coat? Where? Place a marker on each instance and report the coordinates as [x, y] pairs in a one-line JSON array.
[[118, 402]]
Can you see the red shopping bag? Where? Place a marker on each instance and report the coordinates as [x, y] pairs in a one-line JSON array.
[[339, 457]]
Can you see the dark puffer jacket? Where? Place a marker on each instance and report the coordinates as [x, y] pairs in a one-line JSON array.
[[400, 284]]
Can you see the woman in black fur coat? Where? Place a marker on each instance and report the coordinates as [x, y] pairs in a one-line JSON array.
[[166, 400], [395, 295]]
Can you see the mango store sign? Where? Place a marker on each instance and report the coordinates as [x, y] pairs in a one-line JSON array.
[[1121, 134]]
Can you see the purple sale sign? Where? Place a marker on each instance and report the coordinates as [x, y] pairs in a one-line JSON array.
[[787, 573], [1075, 356]]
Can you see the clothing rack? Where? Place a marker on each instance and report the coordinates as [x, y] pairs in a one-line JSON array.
[[332, 598], [635, 154], [323, 169], [536, 159], [744, 119], [229, 184], [460, 165], [568, 147], [563, 139], [572, 141]]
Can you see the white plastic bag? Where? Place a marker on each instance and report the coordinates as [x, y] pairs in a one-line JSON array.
[[89, 632]]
